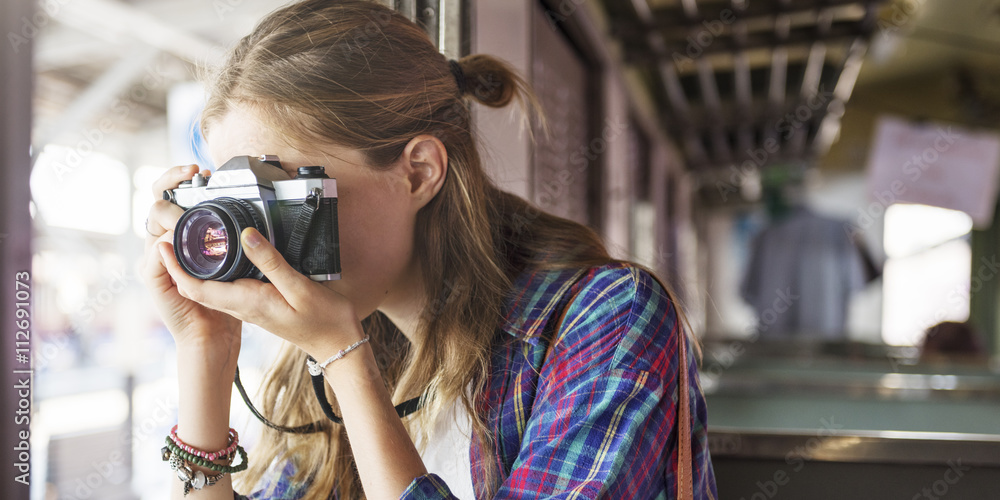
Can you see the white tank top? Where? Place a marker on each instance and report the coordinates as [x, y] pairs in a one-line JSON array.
[[447, 452]]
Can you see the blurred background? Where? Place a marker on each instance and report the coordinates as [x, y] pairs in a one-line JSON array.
[[817, 179]]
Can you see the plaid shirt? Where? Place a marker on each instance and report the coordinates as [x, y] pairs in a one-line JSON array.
[[588, 411]]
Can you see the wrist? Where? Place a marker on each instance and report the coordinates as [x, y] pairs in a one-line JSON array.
[[205, 384], [325, 344], [317, 367], [356, 375], [209, 351]]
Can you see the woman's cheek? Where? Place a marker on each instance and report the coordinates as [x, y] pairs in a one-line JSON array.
[[350, 242]]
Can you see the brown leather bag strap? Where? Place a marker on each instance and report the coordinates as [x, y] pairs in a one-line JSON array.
[[685, 478]]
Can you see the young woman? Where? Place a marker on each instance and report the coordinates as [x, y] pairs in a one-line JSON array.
[[546, 369]]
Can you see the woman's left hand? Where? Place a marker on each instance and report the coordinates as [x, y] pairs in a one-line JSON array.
[[315, 318]]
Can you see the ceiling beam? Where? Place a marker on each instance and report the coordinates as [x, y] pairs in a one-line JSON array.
[[112, 20], [743, 87], [716, 123], [710, 96], [54, 52], [99, 96], [731, 124], [779, 75], [799, 36], [829, 128], [682, 112], [690, 9], [678, 18], [811, 80], [680, 109]]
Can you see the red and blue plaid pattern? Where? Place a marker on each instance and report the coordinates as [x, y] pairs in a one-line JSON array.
[[589, 410]]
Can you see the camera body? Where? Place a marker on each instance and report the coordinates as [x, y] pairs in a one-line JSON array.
[[297, 215]]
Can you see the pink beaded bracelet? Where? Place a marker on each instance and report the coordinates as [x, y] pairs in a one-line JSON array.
[[234, 441]]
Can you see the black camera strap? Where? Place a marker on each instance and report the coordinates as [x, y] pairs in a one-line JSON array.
[[319, 387], [304, 222]]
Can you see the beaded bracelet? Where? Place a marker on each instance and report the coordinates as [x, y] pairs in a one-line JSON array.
[[191, 478], [315, 368], [201, 462], [234, 441]]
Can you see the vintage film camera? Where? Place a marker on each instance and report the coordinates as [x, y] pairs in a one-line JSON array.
[[298, 216]]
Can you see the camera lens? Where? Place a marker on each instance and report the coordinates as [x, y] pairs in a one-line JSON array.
[[206, 241]]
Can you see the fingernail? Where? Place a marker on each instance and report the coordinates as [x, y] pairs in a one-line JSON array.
[[252, 238]]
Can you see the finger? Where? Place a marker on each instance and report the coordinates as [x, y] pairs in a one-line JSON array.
[[247, 300], [163, 217], [153, 261], [287, 280], [155, 274], [189, 287], [158, 280], [172, 178]]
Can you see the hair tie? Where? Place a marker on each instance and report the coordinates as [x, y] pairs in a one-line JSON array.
[[456, 71]]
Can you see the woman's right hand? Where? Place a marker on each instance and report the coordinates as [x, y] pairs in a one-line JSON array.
[[189, 322]]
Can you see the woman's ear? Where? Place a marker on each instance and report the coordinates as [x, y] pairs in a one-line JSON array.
[[425, 163]]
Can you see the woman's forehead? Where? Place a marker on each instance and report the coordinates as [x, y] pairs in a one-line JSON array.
[[240, 132]]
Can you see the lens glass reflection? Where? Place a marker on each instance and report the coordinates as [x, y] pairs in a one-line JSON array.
[[215, 244], [204, 242]]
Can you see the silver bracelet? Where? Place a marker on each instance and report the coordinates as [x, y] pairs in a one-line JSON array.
[[191, 478], [317, 368]]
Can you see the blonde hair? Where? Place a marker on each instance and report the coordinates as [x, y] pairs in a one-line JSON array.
[[359, 75]]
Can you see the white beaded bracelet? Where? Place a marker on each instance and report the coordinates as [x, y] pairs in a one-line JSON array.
[[317, 368]]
